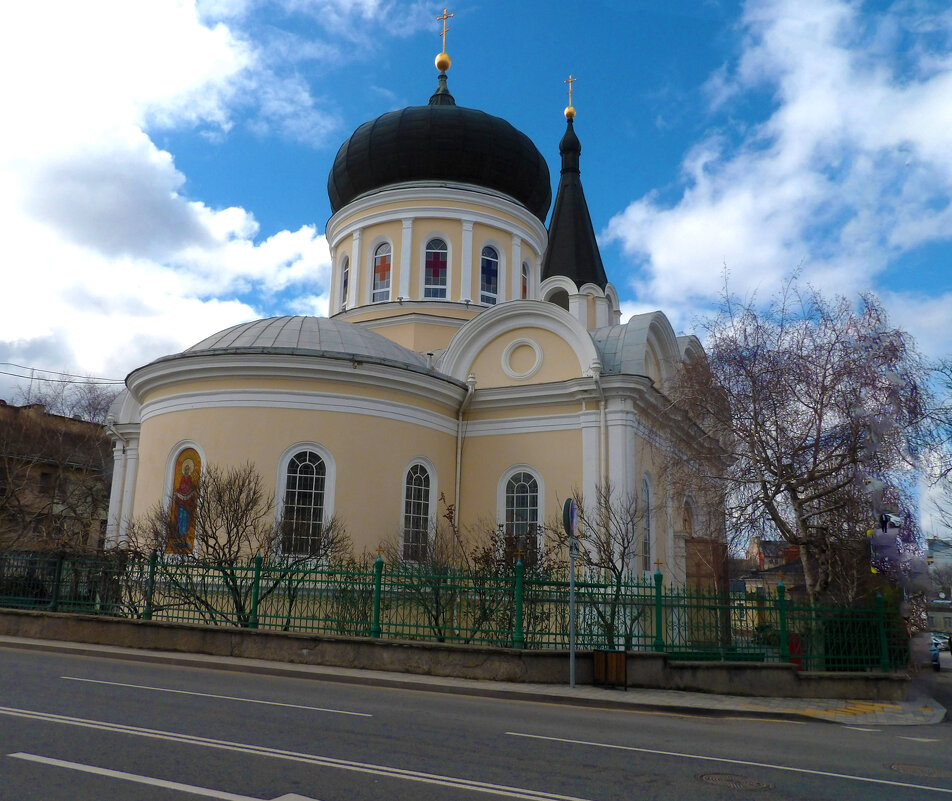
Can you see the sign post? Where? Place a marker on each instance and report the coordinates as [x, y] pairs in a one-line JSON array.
[[569, 523]]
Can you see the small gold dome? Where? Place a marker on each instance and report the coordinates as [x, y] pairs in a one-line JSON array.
[[569, 112], [443, 62]]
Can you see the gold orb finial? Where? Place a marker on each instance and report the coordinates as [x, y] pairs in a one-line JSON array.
[[570, 109], [443, 60]]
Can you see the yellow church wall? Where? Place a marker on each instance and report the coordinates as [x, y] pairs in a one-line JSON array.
[[422, 337], [371, 456], [559, 361], [556, 456], [339, 388]]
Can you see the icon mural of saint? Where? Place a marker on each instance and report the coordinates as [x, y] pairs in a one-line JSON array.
[[185, 485]]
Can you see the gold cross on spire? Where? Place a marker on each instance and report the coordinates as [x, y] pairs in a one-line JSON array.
[[445, 26], [570, 81]]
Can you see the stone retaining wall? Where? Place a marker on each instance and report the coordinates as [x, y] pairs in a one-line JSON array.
[[649, 670]]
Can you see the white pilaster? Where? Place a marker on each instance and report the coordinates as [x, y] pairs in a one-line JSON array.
[[516, 269], [466, 264], [116, 495], [129, 488], [578, 308], [589, 424], [358, 275], [603, 313], [406, 242]]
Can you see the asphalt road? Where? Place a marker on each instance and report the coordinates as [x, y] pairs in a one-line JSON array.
[[86, 728]]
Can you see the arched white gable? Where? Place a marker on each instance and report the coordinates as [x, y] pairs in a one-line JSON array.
[[470, 340], [653, 330], [554, 283]]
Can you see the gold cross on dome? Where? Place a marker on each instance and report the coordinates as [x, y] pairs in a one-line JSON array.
[[445, 26], [570, 81]]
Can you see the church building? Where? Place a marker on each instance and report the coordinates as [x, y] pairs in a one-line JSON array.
[[471, 354]]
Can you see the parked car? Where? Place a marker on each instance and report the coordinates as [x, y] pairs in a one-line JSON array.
[[941, 641]]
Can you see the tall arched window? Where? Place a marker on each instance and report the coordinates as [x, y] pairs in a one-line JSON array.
[[646, 525], [434, 269], [303, 504], [381, 273], [344, 281], [522, 517], [416, 513], [525, 280], [489, 276]]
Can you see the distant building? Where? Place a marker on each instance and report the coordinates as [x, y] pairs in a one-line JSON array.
[[55, 474]]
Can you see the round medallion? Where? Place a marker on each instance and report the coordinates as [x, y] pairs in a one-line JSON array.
[[521, 359]]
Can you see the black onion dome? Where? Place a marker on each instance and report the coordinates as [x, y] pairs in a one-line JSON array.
[[440, 142]]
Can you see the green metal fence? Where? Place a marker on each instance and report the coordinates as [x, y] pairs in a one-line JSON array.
[[520, 609]]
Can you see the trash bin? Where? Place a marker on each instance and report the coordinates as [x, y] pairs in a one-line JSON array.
[[610, 668]]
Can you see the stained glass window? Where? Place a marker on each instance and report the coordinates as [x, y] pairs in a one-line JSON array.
[[303, 504], [525, 280], [344, 281], [381, 273], [489, 276], [416, 513], [522, 517], [434, 281]]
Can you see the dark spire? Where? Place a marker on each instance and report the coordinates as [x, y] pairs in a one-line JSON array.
[[572, 251], [442, 96]]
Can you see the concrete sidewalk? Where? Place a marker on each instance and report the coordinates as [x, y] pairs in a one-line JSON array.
[[920, 709]]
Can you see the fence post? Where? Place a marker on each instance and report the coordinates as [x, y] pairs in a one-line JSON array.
[[518, 640], [883, 643], [255, 585], [375, 630], [150, 586], [782, 615], [57, 580], [658, 625]]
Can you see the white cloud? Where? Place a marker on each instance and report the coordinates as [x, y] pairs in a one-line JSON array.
[[108, 263], [850, 169]]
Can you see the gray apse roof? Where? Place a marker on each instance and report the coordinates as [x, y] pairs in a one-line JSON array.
[[315, 336]]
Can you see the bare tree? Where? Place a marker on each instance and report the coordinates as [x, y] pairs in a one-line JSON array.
[[816, 402], [234, 521], [55, 475], [79, 398]]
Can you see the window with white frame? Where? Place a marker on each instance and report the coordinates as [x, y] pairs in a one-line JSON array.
[[434, 269], [344, 281], [522, 517], [303, 516], [489, 276], [416, 513], [524, 290], [381, 290], [645, 525]]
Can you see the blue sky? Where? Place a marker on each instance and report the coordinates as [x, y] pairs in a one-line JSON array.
[[163, 165]]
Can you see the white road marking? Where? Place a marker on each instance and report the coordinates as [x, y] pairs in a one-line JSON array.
[[293, 756], [134, 777], [859, 728], [919, 739], [221, 697], [734, 762]]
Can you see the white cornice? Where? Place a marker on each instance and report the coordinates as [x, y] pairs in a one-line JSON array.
[[168, 373], [529, 228], [308, 401], [401, 312]]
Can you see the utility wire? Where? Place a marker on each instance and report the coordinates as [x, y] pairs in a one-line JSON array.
[[70, 377]]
